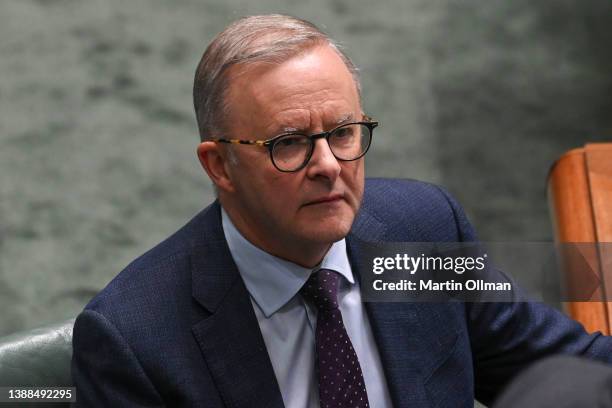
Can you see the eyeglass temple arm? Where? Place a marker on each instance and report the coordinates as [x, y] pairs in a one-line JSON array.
[[238, 141]]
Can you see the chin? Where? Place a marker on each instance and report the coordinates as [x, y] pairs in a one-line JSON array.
[[329, 230], [326, 223]]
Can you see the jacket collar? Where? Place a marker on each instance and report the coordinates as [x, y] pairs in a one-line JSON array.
[[214, 271]]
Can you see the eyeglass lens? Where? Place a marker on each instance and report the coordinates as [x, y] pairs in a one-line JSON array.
[[347, 142]]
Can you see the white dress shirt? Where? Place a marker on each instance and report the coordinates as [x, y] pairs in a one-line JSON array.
[[288, 323]]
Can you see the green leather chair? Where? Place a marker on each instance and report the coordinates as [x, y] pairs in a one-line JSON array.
[[37, 358]]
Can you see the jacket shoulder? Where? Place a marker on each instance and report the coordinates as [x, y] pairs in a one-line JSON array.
[[413, 210], [156, 279]]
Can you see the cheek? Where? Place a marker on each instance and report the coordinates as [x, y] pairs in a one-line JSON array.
[[283, 189], [256, 173], [354, 180]]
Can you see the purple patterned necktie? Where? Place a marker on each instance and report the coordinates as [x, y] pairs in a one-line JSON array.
[[341, 382]]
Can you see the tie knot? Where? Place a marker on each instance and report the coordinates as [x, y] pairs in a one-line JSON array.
[[322, 289]]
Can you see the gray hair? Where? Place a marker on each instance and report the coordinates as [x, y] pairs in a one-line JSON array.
[[269, 38]]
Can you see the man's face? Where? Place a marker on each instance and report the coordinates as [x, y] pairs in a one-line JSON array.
[[281, 212]]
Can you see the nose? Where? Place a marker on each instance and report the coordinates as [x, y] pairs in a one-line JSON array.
[[323, 163]]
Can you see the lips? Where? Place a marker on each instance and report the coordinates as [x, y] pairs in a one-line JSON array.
[[326, 199]]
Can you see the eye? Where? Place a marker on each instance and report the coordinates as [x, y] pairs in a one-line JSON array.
[[291, 140], [343, 132]]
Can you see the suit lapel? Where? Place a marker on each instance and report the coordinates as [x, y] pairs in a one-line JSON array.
[[229, 338], [393, 325]]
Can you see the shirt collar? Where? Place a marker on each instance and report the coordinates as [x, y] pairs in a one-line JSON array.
[[272, 281]]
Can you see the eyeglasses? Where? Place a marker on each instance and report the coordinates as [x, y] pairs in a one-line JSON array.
[[291, 152]]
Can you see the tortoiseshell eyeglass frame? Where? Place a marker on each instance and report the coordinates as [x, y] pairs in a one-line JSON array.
[[269, 143]]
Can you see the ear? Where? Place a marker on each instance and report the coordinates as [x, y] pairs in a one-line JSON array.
[[215, 162]]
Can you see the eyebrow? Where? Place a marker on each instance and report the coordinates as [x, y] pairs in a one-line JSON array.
[[346, 118], [290, 129]]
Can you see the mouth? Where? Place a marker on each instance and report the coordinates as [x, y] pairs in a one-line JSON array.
[[330, 199]]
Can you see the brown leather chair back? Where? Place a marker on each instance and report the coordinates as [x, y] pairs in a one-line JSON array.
[[580, 200]]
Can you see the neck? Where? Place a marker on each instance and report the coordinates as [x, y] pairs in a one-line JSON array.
[[306, 254]]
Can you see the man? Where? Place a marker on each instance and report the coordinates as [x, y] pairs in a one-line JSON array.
[[256, 302]]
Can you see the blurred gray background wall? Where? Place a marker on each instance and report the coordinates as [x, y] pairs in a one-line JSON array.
[[98, 138]]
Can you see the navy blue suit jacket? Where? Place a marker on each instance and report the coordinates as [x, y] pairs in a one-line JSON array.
[[177, 328]]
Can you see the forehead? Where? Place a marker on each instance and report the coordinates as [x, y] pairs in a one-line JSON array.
[[313, 88]]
